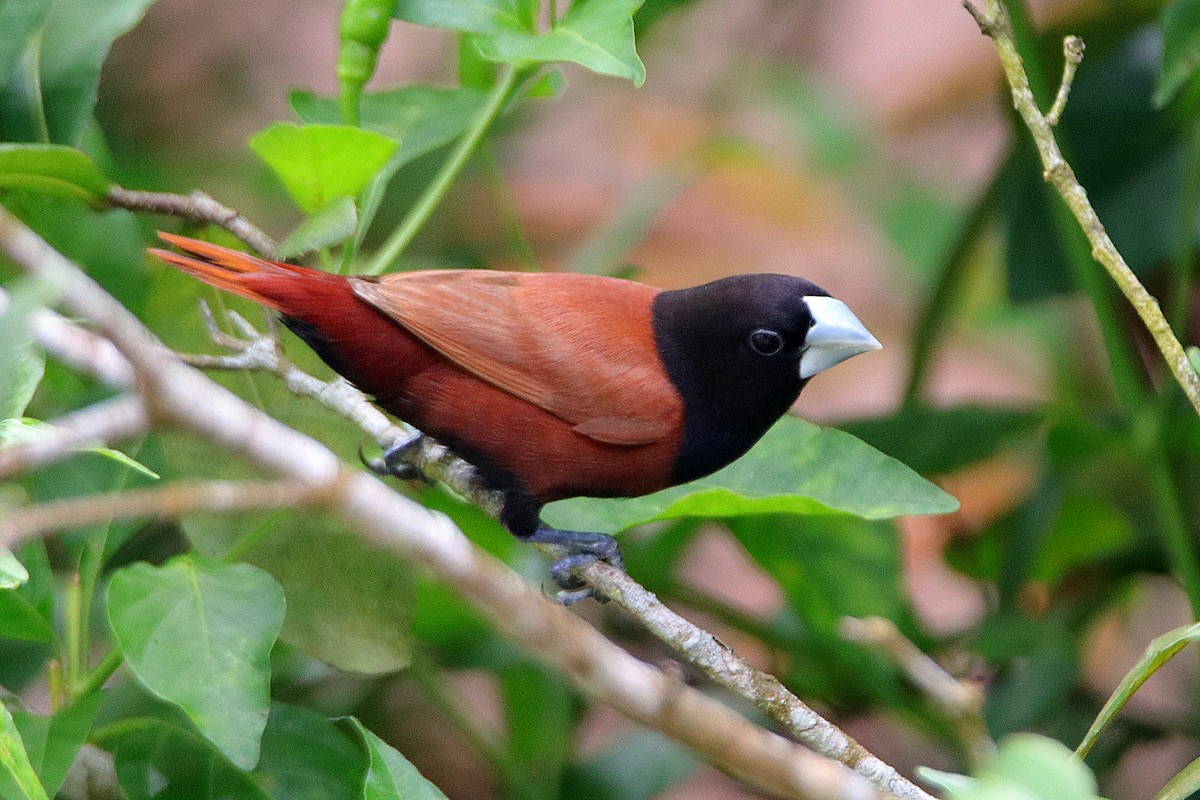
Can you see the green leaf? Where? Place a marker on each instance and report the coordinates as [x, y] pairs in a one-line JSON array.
[[198, 633], [18, 780], [73, 45], [51, 169], [597, 34], [1025, 767], [20, 619], [12, 571], [1158, 652], [539, 715], [306, 757], [938, 441], [425, 117], [389, 775], [52, 742], [348, 603], [797, 468], [124, 460], [156, 760], [1193, 354], [22, 363], [1181, 49], [333, 224], [320, 162], [1185, 783]]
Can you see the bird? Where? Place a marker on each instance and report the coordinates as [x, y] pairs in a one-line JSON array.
[[557, 385]]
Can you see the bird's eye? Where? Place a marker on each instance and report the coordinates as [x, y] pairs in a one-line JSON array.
[[766, 342]]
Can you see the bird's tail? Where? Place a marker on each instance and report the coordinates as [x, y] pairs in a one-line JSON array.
[[240, 273]]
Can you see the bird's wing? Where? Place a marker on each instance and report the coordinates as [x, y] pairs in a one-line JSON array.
[[581, 347]]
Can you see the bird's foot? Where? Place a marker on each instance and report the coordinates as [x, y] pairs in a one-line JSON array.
[[396, 461], [581, 549]]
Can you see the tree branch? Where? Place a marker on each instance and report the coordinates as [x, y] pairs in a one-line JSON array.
[[196, 207], [600, 669], [172, 500], [95, 426], [994, 22]]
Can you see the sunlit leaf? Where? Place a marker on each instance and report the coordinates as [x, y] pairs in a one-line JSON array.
[[320, 162], [797, 468], [1025, 767], [124, 460], [51, 169], [198, 633], [12, 571], [1158, 652]]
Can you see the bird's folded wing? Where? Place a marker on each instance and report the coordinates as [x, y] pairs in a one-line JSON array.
[[579, 346]]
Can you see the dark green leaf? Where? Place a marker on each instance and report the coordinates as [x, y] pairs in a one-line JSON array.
[[1181, 49], [18, 779], [333, 224], [937, 441], [21, 620], [199, 633], [73, 45], [156, 760], [639, 767], [305, 757], [51, 169], [390, 776], [538, 708], [1158, 652], [797, 468], [1086, 528], [53, 741], [320, 162]]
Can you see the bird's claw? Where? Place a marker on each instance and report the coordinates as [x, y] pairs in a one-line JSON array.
[[396, 461], [582, 549]]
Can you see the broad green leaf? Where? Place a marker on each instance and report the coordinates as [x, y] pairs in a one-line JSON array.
[[597, 34], [198, 633], [21, 620], [422, 117], [389, 775], [72, 47], [937, 441], [641, 766], [333, 224], [19, 20], [797, 468], [348, 604], [12, 571], [1158, 652], [1185, 784], [18, 779], [1181, 49], [1086, 529], [306, 757], [22, 363], [53, 741], [51, 169], [320, 162], [156, 760]]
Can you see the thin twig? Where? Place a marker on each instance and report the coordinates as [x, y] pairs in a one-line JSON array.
[[97, 425], [596, 666], [959, 701], [196, 207], [1072, 58], [994, 22], [172, 500], [696, 645]]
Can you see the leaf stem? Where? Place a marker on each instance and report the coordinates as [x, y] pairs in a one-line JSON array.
[[100, 675], [72, 663], [450, 170]]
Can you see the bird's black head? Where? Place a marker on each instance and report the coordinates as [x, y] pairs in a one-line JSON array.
[[739, 350]]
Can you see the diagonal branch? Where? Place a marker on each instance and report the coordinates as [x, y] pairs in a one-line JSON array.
[[602, 671], [196, 207], [994, 22]]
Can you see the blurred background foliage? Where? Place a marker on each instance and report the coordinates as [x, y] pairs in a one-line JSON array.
[[866, 146]]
